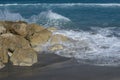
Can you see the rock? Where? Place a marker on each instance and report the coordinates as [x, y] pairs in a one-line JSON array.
[[56, 47], [20, 29], [52, 29], [33, 28], [24, 57], [58, 39], [36, 28], [19, 42], [3, 54], [40, 38], [14, 41], [9, 43], [8, 24]]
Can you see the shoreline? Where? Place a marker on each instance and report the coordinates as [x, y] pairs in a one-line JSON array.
[[54, 67]]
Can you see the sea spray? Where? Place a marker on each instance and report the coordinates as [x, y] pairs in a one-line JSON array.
[[97, 49]]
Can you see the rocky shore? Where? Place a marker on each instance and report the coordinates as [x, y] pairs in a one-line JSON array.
[[20, 42]]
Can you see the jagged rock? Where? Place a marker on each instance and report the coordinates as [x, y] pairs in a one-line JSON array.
[[40, 38], [58, 39], [24, 57]]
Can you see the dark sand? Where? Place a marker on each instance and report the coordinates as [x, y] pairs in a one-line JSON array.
[[53, 67]]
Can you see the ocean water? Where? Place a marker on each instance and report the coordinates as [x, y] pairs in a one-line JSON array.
[[93, 27]]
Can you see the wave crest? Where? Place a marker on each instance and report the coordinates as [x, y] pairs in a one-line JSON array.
[[49, 18], [6, 15], [45, 18], [65, 4]]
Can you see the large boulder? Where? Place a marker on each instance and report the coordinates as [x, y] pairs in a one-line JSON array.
[[33, 28], [9, 43], [40, 38], [14, 41], [24, 57]]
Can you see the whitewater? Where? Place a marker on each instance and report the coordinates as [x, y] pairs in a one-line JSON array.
[[94, 28], [64, 4]]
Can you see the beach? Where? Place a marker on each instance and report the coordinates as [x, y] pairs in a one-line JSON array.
[[54, 67], [59, 41]]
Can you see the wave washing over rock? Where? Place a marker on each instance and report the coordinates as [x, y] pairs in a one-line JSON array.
[[45, 18], [20, 42], [49, 18], [66, 4], [98, 46]]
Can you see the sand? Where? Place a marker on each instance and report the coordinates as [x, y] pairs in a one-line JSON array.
[[54, 67]]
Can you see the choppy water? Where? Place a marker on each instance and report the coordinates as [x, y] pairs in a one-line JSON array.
[[94, 27]]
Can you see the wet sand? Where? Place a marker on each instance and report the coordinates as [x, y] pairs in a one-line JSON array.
[[54, 67]]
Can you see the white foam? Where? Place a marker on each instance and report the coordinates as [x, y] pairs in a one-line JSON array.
[[45, 18], [50, 18], [6, 15], [92, 48], [65, 4]]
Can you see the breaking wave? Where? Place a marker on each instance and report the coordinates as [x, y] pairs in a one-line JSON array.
[[65, 4], [6, 15], [45, 18], [49, 18]]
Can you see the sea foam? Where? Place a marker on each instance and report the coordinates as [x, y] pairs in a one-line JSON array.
[[93, 47], [45, 18], [65, 4], [50, 18]]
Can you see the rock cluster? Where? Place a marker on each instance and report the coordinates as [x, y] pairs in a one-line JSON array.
[[20, 42]]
